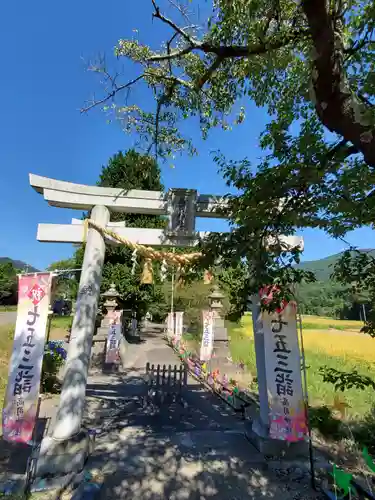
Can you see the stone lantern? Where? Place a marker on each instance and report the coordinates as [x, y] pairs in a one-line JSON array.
[[111, 301], [216, 301], [221, 349]]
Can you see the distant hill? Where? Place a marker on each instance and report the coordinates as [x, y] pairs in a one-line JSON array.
[[323, 268], [327, 297], [19, 264]]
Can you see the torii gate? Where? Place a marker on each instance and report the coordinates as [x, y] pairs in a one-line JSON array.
[[181, 206]]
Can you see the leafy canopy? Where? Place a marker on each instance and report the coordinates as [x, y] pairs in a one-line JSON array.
[[310, 65]]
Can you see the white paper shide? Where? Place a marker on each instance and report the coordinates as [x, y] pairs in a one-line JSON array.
[[179, 324], [170, 325], [207, 336]]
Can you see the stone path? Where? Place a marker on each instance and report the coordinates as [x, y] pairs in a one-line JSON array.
[[197, 452], [8, 317]]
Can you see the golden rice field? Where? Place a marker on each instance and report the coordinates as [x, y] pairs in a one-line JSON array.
[[333, 337], [327, 342]]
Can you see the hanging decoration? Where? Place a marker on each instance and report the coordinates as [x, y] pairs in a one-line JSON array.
[[134, 260], [147, 275], [180, 276], [148, 252], [343, 481], [369, 461], [163, 270]]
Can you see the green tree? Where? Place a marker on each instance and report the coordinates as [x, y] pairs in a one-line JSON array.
[[66, 284], [8, 284], [130, 170]]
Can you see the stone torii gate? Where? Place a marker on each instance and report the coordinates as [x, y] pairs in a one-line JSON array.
[[66, 449]]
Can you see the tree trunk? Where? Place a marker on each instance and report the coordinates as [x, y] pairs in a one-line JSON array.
[[339, 109]]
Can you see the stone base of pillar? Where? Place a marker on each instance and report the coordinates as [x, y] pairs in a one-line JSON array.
[[221, 358], [276, 448], [133, 337], [98, 350], [59, 458]]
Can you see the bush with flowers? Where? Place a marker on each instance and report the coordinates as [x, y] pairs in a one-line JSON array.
[[53, 359]]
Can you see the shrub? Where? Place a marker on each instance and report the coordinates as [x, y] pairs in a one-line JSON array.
[[364, 431], [53, 359], [321, 418]]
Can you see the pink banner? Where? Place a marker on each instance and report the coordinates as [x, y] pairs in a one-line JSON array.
[[21, 399]]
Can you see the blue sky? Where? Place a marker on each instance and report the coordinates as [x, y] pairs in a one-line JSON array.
[[43, 85]]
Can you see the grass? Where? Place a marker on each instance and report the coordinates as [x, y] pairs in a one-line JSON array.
[[6, 343], [8, 308], [64, 322], [345, 351]]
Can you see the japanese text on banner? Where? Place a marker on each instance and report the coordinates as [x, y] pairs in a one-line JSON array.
[[283, 373], [112, 354], [21, 400], [207, 336]]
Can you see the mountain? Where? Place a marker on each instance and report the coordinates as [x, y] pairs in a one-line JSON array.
[[323, 268], [326, 297], [19, 264]]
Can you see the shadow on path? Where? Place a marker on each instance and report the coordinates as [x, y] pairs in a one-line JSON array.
[[191, 451]]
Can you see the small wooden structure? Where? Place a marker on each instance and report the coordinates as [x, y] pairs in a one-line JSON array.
[[165, 384]]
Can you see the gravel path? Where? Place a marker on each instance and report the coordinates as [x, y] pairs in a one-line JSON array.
[[196, 452]]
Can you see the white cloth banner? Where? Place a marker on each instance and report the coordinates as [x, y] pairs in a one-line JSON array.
[[170, 325], [283, 373], [112, 354], [179, 324], [207, 336], [134, 326], [25, 366]]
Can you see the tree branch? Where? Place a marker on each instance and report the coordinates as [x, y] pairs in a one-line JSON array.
[[341, 149], [207, 75], [181, 10], [173, 25], [232, 51], [360, 44], [172, 80], [110, 95], [339, 109], [174, 54]]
